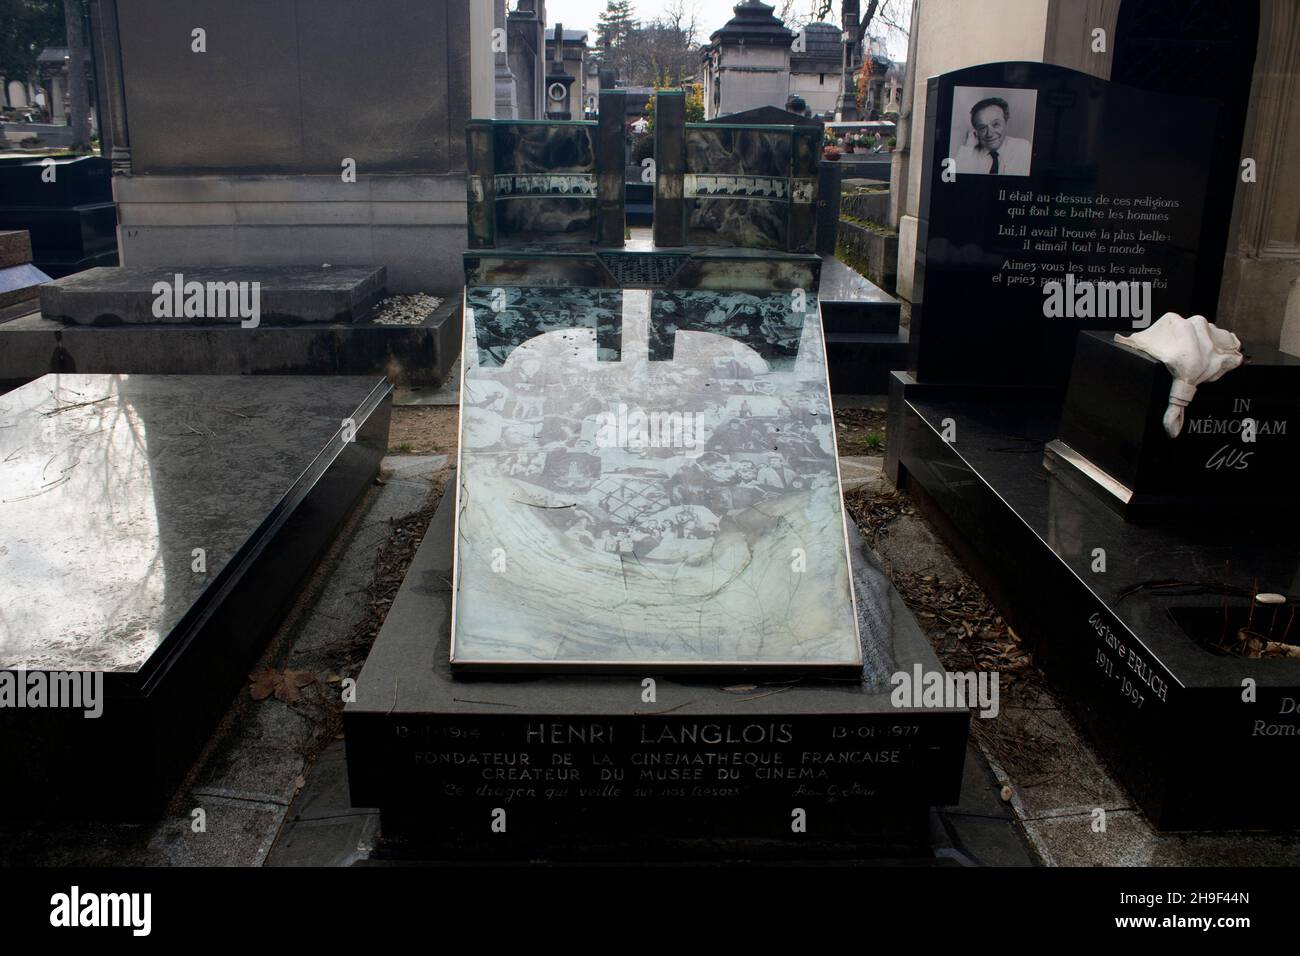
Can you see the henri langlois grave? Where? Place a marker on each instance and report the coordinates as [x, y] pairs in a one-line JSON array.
[[1117, 469], [622, 611], [650, 623]]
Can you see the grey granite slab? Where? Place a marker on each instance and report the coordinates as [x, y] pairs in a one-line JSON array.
[[20, 283], [414, 355], [285, 294]]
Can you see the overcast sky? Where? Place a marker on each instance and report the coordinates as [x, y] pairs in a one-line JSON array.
[[584, 14]]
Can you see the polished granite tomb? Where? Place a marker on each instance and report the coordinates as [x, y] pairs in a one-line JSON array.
[[1136, 624], [154, 528], [664, 461]]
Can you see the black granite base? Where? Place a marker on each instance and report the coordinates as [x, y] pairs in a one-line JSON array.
[[410, 355], [67, 239], [861, 363], [1238, 447], [864, 343], [584, 767], [72, 218], [99, 568], [1130, 643]]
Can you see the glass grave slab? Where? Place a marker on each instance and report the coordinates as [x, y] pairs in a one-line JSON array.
[[648, 479]]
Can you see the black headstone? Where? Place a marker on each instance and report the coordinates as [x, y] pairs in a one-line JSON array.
[[1102, 182]]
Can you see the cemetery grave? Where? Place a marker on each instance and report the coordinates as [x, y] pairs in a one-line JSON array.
[[641, 623], [153, 537], [651, 624], [1153, 575]]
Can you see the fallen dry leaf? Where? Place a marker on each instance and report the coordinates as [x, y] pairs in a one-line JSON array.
[[285, 685]]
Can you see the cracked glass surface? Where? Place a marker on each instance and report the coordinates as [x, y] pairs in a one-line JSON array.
[[648, 478]]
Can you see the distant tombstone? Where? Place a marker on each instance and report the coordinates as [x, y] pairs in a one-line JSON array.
[[558, 82], [1052, 202]]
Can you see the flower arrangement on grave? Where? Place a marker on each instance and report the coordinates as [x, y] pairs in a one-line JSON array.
[[831, 153]]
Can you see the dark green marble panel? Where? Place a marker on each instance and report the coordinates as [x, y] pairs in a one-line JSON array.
[[545, 181], [752, 187]]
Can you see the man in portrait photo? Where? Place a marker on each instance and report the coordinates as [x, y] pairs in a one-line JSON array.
[[989, 148]]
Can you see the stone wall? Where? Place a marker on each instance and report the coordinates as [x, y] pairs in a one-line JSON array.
[[869, 206], [871, 250], [237, 155]]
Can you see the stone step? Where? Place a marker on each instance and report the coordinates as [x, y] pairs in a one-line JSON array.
[[860, 363], [852, 303]]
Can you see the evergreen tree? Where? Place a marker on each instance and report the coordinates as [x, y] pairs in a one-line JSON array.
[[613, 30], [26, 27]]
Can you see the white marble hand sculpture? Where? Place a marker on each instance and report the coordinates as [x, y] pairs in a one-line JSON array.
[[1194, 350]]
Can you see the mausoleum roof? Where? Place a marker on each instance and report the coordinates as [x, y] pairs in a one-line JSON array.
[[754, 22], [822, 45]]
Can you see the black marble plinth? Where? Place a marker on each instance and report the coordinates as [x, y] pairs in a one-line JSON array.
[[1112, 440], [863, 340], [853, 303], [285, 295], [155, 529], [55, 181], [66, 203], [1128, 621], [588, 767], [67, 239]]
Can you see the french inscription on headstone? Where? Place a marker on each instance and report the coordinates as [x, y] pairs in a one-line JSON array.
[[1053, 201]]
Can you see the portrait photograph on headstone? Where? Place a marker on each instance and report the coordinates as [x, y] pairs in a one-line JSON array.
[[649, 440], [993, 130]]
